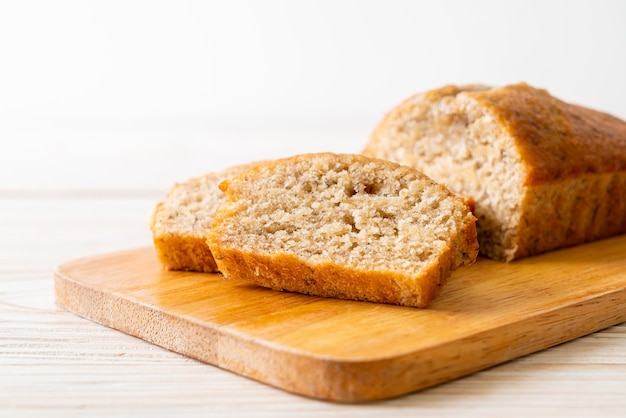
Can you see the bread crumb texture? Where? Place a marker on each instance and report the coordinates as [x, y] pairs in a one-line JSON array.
[[345, 226], [544, 174], [179, 223]]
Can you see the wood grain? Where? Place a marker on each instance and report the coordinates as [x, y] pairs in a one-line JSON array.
[[487, 314]]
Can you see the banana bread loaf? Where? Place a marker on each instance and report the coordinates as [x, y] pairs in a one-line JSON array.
[[544, 174]]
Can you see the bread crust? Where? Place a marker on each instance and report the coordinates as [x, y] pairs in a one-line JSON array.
[[285, 272], [184, 252]]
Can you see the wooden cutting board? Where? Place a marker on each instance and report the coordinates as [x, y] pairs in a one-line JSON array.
[[488, 313]]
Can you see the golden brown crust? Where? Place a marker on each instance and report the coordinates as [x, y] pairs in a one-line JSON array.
[[185, 253], [557, 215], [556, 140], [285, 272]]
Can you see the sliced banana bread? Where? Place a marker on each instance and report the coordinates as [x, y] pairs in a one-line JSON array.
[[344, 226], [180, 222]]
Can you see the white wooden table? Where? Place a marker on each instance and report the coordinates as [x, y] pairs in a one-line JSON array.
[[73, 190]]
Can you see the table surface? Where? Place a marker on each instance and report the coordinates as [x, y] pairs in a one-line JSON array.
[[71, 190]]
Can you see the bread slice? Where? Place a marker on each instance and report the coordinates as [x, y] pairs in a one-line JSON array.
[[180, 222], [544, 174], [343, 226]]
